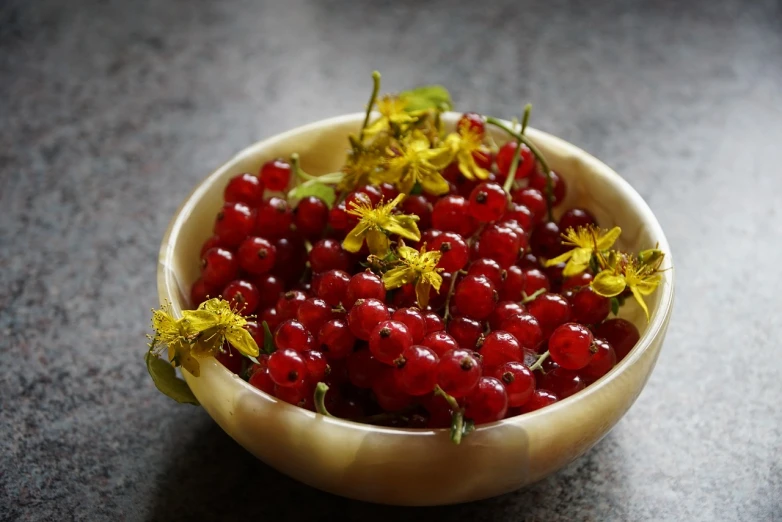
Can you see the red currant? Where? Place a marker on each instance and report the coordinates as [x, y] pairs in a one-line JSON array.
[[577, 281], [291, 334], [501, 243], [256, 255], [535, 280], [313, 314], [317, 366], [534, 201], [525, 328], [365, 315], [576, 217], [539, 181], [518, 380], [276, 174], [274, 219], [458, 372], [212, 242], [417, 204], [601, 363], [475, 297], [363, 369], [540, 399], [388, 394], [621, 334], [502, 311], [433, 323], [310, 217], [453, 248], [505, 158], [336, 339], [270, 317], [200, 292], [244, 188], [465, 331], [269, 289], [295, 395], [328, 254], [242, 295], [388, 340], [563, 383], [570, 346], [451, 214], [551, 310], [546, 240], [499, 347], [589, 307], [364, 285], [413, 318], [218, 267], [332, 286], [513, 286], [288, 304], [291, 259], [287, 368], [440, 343], [417, 370], [231, 359], [521, 215], [489, 268], [487, 402], [234, 223], [487, 202], [261, 380]]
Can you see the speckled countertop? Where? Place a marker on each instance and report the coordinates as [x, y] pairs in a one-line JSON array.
[[110, 111]]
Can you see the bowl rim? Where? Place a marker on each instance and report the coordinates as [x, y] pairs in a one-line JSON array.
[[166, 282]]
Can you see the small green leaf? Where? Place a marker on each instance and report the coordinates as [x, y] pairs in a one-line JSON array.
[[614, 305], [268, 339], [166, 381], [315, 188], [427, 97], [417, 189]]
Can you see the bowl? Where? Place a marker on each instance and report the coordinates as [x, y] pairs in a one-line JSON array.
[[417, 467]]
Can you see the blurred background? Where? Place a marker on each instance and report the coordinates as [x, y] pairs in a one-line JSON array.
[[111, 111]]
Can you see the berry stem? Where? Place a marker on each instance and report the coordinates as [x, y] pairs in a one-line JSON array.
[[457, 419], [320, 396], [447, 312], [375, 90], [538, 155], [529, 298], [517, 155], [537, 365]]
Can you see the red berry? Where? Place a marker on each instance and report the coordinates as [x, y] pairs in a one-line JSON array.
[[389, 192], [518, 380], [487, 202], [551, 310], [413, 318], [487, 402], [417, 205], [404, 296], [388, 340], [317, 366], [525, 328], [621, 334], [212, 242], [505, 158], [489, 268], [365, 315], [364, 285], [231, 359], [333, 286], [200, 292], [499, 347], [570, 346], [453, 248], [440, 343], [388, 394], [451, 214], [601, 363], [256, 255], [540, 399], [589, 307], [535, 280], [501, 243], [458, 372], [371, 191], [539, 181], [336, 339], [363, 369], [512, 288], [310, 217], [502, 311], [577, 281], [274, 219], [554, 275], [288, 304], [261, 380], [417, 370], [244, 188], [269, 288], [242, 295], [528, 260], [472, 121], [291, 259], [534, 201], [465, 331], [287, 368], [521, 215], [313, 314], [433, 323], [576, 217], [328, 254], [563, 383], [296, 395], [546, 240], [234, 223], [218, 267], [276, 174], [339, 219], [291, 334], [475, 297], [270, 317]]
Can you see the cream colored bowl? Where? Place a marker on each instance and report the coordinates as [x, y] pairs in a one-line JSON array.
[[405, 466]]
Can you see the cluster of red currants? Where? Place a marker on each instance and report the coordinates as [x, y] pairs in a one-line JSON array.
[[503, 336]]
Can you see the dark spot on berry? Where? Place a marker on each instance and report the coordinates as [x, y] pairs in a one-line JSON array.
[[220, 215], [262, 253], [508, 377], [445, 247], [289, 295], [481, 197], [466, 364], [400, 361], [293, 376], [385, 332]]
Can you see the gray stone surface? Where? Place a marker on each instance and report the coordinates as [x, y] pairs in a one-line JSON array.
[[110, 111]]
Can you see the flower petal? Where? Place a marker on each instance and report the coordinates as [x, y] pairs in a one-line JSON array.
[[435, 184], [608, 284], [404, 226], [242, 341], [422, 288], [377, 242], [200, 320], [559, 259], [397, 277], [640, 299], [572, 268], [608, 239], [354, 239]]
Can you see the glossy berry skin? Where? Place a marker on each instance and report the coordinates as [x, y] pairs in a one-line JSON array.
[[339, 219], [313, 314], [256, 255], [328, 254], [505, 158], [276, 174], [501, 243], [534, 280], [244, 188], [534, 201], [465, 331], [261, 380], [287, 368], [365, 315], [475, 297], [570, 346], [291, 334], [578, 281], [364, 285], [218, 267], [576, 217], [388, 340], [387, 392], [311, 216], [551, 310], [521, 215], [540, 399], [335, 339], [538, 181], [546, 240], [503, 311], [269, 288], [416, 372], [274, 219], [332, 286], [487, 202], [212, 242], [295, 395], [288, 304], [451, 214], [518, 380], [389, 192], [363, 368], [270, 316], [458, 372], [234, 222], [588, 307], [512, 287], [317, 366], [433, 323], [440, 343], [489, 268], [560, 381], [454, 250], [199, 293], [418, 205], [499, 347], [601, 363], [487, 402], [231, 359], [525, 328], [620, 333], [413, 318], [242, 295], [291, 259]]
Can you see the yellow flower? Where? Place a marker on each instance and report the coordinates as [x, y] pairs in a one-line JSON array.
[[175, 335], [214, 323], [416, 163], [639, 278], [587, 241], [462, 145], [359, 166], [376, 223], [393, 116], [419, 267]]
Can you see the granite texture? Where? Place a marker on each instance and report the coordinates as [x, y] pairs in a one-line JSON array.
[[110, 111]]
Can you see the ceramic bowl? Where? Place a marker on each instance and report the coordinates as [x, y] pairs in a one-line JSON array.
[[409, 466]]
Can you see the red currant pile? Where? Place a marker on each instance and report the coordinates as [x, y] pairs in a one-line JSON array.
[[504, 334]]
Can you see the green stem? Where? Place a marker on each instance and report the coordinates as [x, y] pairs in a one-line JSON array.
[[529, 298], [320, 399], [539, 363], [457, 418], [375, 90], [536, 152], [447, 313], [517, 154]]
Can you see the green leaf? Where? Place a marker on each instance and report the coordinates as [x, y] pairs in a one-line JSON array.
[[166, 381], [315, 188], [417, 189], [427, 97], [268, 339], [614, 305]]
